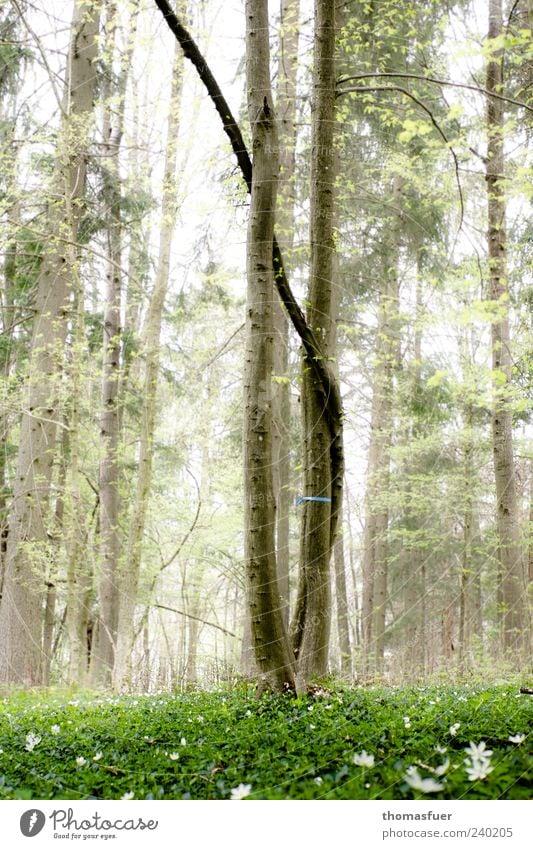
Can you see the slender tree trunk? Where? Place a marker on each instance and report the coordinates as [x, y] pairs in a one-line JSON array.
[[22, 598], [375, 545], [510, 553], [269, 636], [343, 622], [109, 481], [132, 561], [311, 630], [286, 107]]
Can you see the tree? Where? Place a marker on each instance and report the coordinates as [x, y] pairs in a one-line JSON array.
[[21, 606], [322, 470], [510, 553], [269, 635]]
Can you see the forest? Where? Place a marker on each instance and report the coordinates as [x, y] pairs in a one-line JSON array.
[[266, 422]]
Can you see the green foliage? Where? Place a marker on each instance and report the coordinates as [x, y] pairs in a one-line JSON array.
[[203, 745]]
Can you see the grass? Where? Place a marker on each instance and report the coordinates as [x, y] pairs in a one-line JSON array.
[[204, 745]]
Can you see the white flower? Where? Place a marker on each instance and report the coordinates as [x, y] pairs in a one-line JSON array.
[[174, 756], [479, 770], [32, 740], [241, 792], [363, 759], [479, 751], [55, 730], [312, 727], [444, 767], [441, 749], [311, 707], [248, 713], [183, 741], [455, 728], [199, 718], [318, 780], [81, 761], [406, 722], [127, 796], [98, 756], [517, 738], [424, 785]]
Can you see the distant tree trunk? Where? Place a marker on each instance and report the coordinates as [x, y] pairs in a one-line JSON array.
[[375, 545], [21, 621], [109, 481], [79, 572], [343, 622], [312, 622], [269, 636], [510, 553], [130, 571]]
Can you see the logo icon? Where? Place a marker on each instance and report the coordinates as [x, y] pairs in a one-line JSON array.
[[32, 822]]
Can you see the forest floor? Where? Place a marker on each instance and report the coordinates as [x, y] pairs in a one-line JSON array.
[[444, 742]]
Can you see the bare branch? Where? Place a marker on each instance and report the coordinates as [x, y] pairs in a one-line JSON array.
[[435, 80]]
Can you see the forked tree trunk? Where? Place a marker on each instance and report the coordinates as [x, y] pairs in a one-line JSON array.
[[22, 599], [312, 622], [509, 548], [269, 637], [129, 578]]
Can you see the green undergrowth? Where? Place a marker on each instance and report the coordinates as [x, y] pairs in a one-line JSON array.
[[407, 743]]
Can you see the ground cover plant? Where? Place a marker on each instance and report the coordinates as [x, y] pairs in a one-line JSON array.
[[466, 741]]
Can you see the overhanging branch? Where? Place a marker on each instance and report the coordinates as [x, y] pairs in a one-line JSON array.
[[326, 379]]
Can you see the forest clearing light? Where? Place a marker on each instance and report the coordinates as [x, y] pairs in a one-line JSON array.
[[241, 791]]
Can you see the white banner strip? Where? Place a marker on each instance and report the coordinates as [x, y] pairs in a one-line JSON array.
[[266, 825]]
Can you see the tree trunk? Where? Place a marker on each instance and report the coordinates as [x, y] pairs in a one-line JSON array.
[[22, 599], [132, 562], [510, 553], [269, 636], [375, 545], [311, 630], [286, 107]]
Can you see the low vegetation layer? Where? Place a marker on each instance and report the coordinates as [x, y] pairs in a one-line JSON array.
[[462, 742]]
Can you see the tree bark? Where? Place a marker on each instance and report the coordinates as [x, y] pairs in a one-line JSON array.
[[311, 631], [22, 598], [509, 550], [109, 479], [269, 636], [281, 415]]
